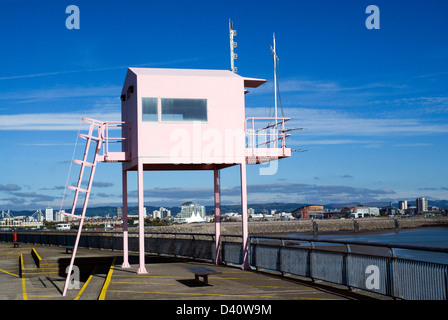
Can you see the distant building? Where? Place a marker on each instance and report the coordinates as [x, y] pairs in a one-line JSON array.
[[421, 204], [411, 210], [156, 214], [403, 204], [162, 213], [286, 216], [361, 212], [374, 211], [358, 212], [191, 212], [49, 214], [165, 213], [59, 216], [231, 216], [311, 211], [256, 217], [119, 213]]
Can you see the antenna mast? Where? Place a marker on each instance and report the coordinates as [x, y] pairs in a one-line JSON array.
[[274, 55], [233, 45]]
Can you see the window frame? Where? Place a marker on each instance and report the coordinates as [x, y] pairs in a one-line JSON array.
[[160, 114]]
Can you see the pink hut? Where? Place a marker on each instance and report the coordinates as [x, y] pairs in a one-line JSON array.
[[180, 119]]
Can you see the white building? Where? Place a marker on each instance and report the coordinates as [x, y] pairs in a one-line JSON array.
[[231, 216], [374, 211], [49, 214], [286, 216], [360, 212], [59, 216], [165, 213], [191, 212], [403, 204], [421, 204], [256, 217]]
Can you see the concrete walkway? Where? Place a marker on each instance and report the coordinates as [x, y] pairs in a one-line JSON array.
[[167, 279]]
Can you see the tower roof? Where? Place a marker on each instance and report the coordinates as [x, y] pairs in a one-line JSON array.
[[248, 82]]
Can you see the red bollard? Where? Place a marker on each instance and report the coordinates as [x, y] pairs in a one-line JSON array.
[[14, 237]]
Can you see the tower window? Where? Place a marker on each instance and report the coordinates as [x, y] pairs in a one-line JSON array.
[[184, 109], [149, 109]]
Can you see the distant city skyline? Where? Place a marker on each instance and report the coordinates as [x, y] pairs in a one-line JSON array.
[[372, 103]]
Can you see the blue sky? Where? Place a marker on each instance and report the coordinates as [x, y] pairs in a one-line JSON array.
[[373, 103]]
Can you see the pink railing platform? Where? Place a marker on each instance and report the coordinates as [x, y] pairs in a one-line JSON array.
[[265, 142], [104, 127]]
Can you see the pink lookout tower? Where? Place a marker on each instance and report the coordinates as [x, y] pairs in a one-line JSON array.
[[180, 119]]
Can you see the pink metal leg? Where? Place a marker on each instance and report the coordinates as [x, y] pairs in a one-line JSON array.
[[217, 216], [141, 222], [245, 231], [125, 221]]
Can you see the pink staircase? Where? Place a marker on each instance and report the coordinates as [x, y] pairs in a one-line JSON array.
[[98, 135]]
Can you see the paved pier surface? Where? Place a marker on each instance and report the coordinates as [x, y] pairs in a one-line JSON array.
[[103, 278]]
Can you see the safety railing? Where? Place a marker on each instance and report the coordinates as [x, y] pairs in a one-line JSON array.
[[380, 268], [374, 267], [186, 245], [103, 129], [265, 136]]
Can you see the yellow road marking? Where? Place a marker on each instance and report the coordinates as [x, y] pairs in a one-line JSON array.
[[25, 297], [15, 275], [141, 276], [85, 284], [37, 255], [107, 282], [302, 298], [195, 294], [182, 277], [166, 284], [283, 287]]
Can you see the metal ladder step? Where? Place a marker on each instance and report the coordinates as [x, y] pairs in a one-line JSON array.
[[77, 189], [89, 164], [86, 136]]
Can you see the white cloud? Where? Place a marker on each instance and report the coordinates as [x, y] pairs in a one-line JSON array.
[[329, 122], [62, 93], [51, 121]]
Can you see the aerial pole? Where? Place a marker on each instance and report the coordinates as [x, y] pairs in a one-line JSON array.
[[275, 57], [233, 45]]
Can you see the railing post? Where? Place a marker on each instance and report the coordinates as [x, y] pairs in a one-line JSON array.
[[346, 265], [193, 247], [391, 276], [223, 250], [175, 241], [280, 257], [283, 136], [310, 258], [253, 135]]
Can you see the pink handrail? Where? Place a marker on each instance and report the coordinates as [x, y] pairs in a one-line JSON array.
[[277, 135]]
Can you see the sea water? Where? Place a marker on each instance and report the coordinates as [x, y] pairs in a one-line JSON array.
[[422, 237]]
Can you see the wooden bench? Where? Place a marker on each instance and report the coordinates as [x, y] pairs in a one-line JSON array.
[[202, 272], [68, 248], [16, 244]]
